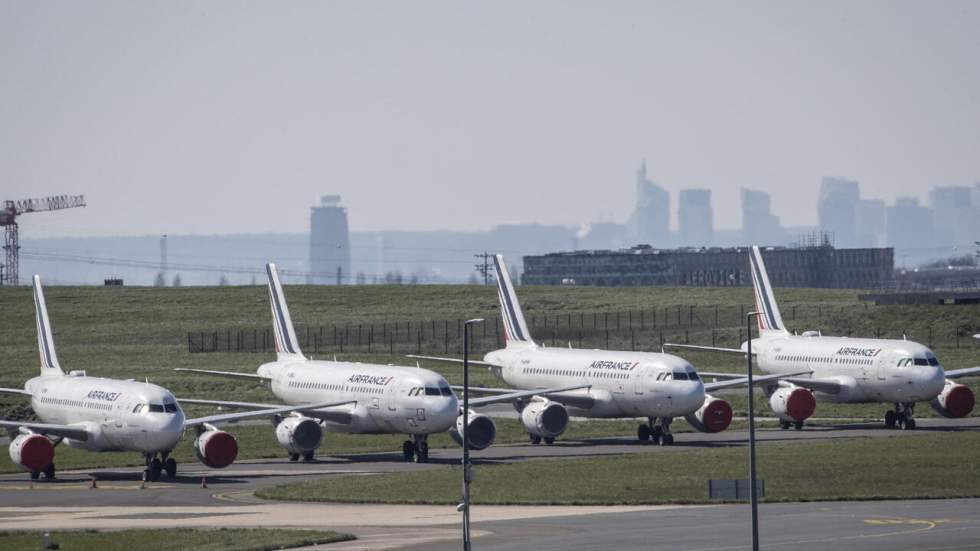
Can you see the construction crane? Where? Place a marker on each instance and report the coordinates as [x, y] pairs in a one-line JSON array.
[[8, 219]]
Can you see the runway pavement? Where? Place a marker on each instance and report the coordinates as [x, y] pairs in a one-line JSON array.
[[119, 502]]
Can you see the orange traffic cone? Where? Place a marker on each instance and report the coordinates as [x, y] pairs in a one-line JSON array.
[[93, 486]]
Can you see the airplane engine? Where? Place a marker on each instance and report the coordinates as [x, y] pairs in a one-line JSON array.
[[792, 403], [714, 415], [954, 401], [299, 434], [481, 431], [216, 448], [544, 418], [32, 452]]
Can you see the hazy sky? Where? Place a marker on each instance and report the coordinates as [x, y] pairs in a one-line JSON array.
[[226, 117]]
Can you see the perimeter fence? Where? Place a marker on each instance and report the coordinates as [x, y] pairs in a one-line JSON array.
[[647, 329]]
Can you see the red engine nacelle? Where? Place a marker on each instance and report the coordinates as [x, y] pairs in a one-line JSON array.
[[32, 452], [216, 449], [714, 415], [792, 403], [954, 401]]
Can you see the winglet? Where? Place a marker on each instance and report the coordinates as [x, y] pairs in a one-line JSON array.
[[45, 340], [515, 328], [770, 321], [287, 346]]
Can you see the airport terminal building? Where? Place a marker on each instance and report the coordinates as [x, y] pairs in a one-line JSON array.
[[822, 266]]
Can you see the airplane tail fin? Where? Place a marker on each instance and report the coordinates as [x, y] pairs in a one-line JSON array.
[[515, 328], [770, 320], [287, 346], [45, 340]]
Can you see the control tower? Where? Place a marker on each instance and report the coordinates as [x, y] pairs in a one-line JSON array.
[[329, 243]]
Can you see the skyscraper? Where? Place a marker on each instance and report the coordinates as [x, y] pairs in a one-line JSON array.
[[837, 209], [329, 243], [871, 223], [952, 215], [696, 227], [910, 229], [650, 223], [759, 225]]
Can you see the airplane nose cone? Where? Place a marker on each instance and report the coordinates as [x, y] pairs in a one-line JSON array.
[[933, 378]]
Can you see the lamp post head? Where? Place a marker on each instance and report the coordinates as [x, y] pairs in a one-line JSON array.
[[472, 321]]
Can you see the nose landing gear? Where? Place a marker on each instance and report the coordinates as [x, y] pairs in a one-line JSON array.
[[416, 449], [902, 417], [155, 466], [656, 430]]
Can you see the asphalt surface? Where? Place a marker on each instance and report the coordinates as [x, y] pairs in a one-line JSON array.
[[120, 502]]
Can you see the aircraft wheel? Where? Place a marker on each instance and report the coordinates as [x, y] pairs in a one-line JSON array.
[[35, 475], [643, 433], [308, 456], [155, 468], [784, 425], [668, 440], [170, 465], [798, 425], [408, 450], [549, 441], [909, 424], [656, 433], [890, 419], [535, 439], [49, 471], [422, 453], [294, 457]]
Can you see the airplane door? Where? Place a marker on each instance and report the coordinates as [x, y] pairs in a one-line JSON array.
[[639, 381], [880, 364], [392, 398]]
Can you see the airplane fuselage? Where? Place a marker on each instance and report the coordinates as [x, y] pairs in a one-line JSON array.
[[623, 384], [870, 370], [389, 399], [118, 415]]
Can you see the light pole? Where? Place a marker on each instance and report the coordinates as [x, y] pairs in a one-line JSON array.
[[467, 471], [753, 494]]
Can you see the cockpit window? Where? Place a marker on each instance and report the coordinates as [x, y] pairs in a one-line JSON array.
[[921, 361], [445, 390], [156, 408], [694, 376], [170, 408], [933, 361], [431, 391], [680, 376]]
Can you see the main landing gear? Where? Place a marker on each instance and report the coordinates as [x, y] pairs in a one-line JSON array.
[[308, 457], [416, 449], [48, 473], [901, 417], [656, 430], [535, 439], [155, 466], [798, 425]]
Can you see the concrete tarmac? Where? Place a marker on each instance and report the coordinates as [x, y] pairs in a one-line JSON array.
[[119, 502]]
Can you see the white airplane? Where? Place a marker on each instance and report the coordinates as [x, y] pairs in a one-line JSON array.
[[617, 384], [844, 370], [100, 415], [383, 399]]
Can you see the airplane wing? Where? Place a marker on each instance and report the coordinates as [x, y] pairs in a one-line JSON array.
[[957, 373], [562, 395], [448, 360], [14, 391], [756, 379], [66, 431], [706, 348], [231, 374], [319, 411]]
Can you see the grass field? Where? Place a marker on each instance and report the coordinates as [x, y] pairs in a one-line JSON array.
[[882, 468], [224, 539], [141, 333]]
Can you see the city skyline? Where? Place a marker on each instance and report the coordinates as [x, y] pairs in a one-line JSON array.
[[175, 119]]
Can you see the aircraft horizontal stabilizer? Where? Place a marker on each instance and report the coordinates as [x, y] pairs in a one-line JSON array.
[[232, 374], [706, 348], [448, 360]]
